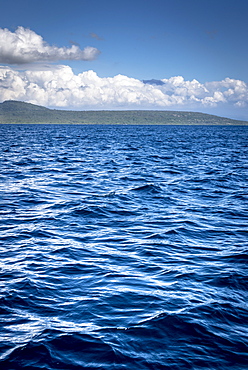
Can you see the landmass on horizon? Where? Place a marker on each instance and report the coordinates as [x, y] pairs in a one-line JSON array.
[[12, 111]]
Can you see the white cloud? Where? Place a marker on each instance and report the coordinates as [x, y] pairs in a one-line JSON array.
[[58, 86], [25, 46]]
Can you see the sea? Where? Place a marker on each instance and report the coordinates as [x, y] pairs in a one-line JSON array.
[[123, 247]]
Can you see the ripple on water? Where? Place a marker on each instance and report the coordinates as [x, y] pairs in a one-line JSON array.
[[123, 247]]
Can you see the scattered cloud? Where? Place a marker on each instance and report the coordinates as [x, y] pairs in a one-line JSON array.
[[25, 46], [212, 33], [58, 86], [74, 43], [95, 36]]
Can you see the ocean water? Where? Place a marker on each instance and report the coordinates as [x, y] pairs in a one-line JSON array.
[[123, 247]]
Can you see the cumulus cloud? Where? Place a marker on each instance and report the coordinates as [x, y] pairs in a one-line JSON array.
[[25, 46], [58, 86]]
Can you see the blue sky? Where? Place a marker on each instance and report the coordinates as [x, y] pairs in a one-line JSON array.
[[176, 41]]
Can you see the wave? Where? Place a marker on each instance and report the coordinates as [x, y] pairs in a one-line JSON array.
[[123, 247]]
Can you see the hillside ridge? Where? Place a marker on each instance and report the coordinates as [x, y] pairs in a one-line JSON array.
[[12, 111]]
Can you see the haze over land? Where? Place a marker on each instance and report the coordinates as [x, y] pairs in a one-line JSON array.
[[132, 55]]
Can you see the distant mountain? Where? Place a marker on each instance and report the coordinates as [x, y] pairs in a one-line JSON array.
[[20, 112], [13, 106], [153, 82]]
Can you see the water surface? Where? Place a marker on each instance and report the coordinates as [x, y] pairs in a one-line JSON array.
[[123, 247]]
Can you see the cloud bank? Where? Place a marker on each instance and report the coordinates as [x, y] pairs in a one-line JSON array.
[[58, 86], [25, 46]]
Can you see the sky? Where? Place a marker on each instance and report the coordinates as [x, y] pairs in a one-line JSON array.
[[188, 55]]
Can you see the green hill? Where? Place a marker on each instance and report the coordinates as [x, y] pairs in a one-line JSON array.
[[20, 112]]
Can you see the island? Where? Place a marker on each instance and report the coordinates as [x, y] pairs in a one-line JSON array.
[[17, 112]]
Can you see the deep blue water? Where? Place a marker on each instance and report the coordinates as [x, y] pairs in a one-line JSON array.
[[123, 247]]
